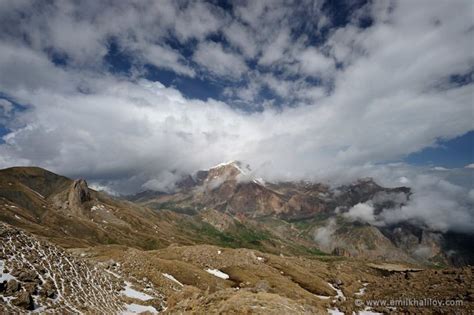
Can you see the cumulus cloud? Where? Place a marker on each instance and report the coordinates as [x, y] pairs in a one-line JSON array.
[[358, 98], [103, 188], [323, 236], [214, 58], [165, 183], [361, 211], [435, 202]]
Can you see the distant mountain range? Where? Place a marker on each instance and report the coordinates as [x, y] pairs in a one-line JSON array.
[[312, 212]]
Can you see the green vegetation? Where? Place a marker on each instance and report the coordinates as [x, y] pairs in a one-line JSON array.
[[174, 207], [151, 244], [239, 236], [314, 251]]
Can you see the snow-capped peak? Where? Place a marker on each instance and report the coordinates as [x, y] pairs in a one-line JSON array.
[[234, 163]]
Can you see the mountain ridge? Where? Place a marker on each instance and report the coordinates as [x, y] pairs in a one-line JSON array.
[[197, 251]]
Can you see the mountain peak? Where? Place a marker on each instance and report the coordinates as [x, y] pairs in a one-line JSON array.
[[231, 164]]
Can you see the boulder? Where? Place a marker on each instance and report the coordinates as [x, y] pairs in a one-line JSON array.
[[28, 276], [12, 287], [24, 300]]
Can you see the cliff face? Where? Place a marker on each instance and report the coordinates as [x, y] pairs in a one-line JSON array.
[[78, 195]]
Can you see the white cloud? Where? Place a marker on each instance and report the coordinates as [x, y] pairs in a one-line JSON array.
[[167, 58], [276, 49], [323, 236], [104, 188], [440, 168], [198, 20], [384, 103], [361, 212], [241, 37], [215, 59], [6, 107], [437, 204], [469, 165], [313, 62]]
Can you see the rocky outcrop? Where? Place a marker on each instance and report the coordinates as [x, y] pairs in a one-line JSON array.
[[78, 195], [338, 251]]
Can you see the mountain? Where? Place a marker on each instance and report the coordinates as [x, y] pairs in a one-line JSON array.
[[223, 242], [71, 214], [312, 213]]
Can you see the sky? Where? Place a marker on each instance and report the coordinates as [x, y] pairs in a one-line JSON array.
[[133, 94]]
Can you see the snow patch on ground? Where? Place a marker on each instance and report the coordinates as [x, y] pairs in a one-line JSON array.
[[334, 311], [97, 208], [218, 273], [361, 291], [137, 309], [112, 273], [339, 293], [170, 277], [132, 293], [323, 297], [4, 276], [367, 311], [35, 192]]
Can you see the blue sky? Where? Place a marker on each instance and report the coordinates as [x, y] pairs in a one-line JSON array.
[[146, 91], [454, 153]]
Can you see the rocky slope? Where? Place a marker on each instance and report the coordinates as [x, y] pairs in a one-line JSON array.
[[70, 214], [217, 280], [39, 276]]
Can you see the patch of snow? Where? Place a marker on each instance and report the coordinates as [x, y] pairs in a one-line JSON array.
[[361, 291], [39, 309], [218, 273], [223, 164], [137, 309], [339, 293], [35, 192], [113, 273], [323, 297], [16, 216], [233, 163], [219, 252], [4, 276], [132, 293], [367, 311], [170, 277], [334, 311], [260, 258], [97, 208]]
